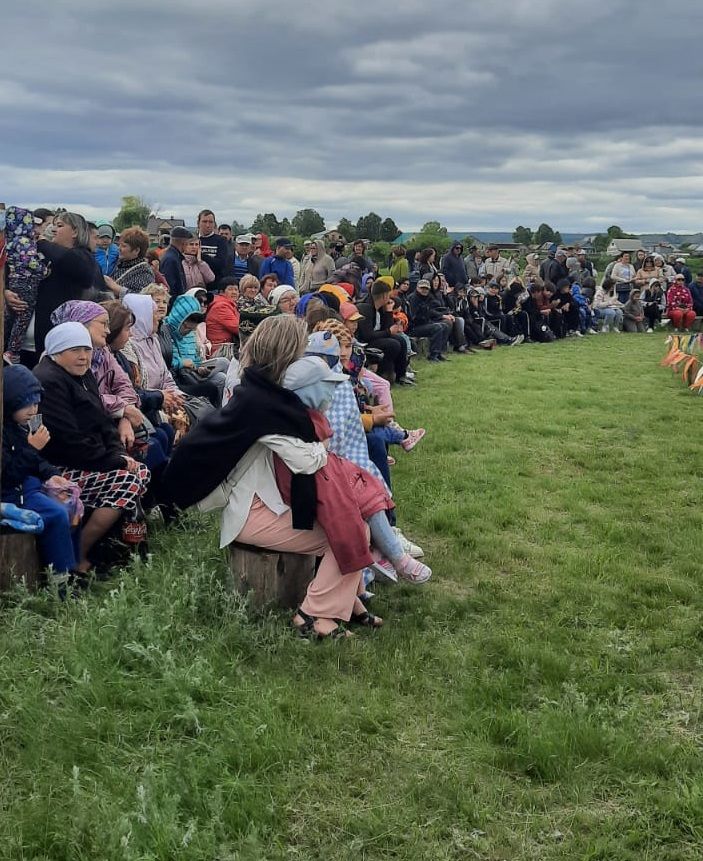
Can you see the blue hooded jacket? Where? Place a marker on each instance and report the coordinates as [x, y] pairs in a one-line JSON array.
[[107, 258], [184, 346]]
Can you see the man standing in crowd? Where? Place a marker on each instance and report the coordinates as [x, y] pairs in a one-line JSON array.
[[453, 267], [495, 266], [359, 257], [279, 264], [337, 254], [681, 269], [106, 252], [213, 247], [554, 268], [472, 264], [244, 262], [171, 263], [587, 269], [225, 231]]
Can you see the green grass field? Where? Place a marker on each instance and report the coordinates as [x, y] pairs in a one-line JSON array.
[[539, 699]]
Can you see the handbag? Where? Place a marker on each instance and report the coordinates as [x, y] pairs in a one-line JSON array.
[[197, 408]]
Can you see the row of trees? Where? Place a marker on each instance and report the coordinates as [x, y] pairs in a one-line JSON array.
[[544, 233], [135, 211]]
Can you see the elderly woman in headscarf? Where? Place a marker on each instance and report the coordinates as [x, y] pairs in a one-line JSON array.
[[148, 370], [119, 399], [84, 441]]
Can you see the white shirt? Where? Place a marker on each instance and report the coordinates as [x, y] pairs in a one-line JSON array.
[[254, 476]]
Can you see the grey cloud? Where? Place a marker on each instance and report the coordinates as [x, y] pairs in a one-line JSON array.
[[464, 92]]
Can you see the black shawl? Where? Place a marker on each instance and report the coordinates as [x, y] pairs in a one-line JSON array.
[[212, 449]]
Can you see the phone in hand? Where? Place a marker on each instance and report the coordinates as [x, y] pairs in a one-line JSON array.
[[35, 422]]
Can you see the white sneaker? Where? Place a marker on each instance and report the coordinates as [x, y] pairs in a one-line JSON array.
[[605, 329], [616, 330], [578, 334], [593, 331], [650, 330], [408, 547]]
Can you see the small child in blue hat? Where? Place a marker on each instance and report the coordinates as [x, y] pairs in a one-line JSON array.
[[27, 476]]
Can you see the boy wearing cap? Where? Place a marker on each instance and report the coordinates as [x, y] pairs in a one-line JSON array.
[[279, 264], [106, 253], [171, 264]]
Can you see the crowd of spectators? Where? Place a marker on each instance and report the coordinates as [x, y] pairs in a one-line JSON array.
[[223, 373]]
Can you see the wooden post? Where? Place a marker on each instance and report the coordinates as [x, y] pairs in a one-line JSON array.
[[269, 578], [18, 559]]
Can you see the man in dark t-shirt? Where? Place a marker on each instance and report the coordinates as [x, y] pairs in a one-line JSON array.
[[214, 248]]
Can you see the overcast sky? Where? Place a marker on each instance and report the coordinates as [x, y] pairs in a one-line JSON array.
[[480, 115]]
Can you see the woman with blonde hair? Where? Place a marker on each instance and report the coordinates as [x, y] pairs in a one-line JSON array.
[[226, 462]]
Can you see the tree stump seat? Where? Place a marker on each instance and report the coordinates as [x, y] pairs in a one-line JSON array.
[[19, 559], [269, 578]]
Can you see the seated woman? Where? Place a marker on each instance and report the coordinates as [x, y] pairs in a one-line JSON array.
[[679, 305], [28, 479], [633, 313], [313, 381], [654, 303], [349, 439], [191, 373], [227, 461], [157, 435], [517, 321], [146, 366], [607, 306], [84, 441], [222, 320], [120, 400]]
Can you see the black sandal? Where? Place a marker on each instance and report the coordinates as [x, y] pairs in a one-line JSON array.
[[366, 619], [308, 632]]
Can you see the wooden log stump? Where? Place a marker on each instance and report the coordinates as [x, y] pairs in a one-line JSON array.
[[423, 347], [269, 578], [18, 559]]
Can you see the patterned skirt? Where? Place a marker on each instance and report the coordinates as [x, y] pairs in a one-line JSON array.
[[117, 488]]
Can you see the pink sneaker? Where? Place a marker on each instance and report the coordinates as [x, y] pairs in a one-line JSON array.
[[412, 439], [413, 570], [384, 570]]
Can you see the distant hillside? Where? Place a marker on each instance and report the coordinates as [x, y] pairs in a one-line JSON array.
[[498, 236], [673, 238]]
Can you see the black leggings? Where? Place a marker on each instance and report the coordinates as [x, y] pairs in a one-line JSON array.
[[395, 356]]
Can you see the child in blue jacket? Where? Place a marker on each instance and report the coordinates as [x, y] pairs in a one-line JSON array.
[[26, 474]]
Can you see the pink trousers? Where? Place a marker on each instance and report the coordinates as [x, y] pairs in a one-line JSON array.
[[331, 595]]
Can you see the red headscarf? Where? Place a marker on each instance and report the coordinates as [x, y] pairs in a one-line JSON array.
[[265, 250]]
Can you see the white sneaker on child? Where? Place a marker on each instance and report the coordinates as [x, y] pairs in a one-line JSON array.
[[408, 547]]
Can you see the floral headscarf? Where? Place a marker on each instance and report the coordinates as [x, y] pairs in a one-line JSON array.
[[79, 311]]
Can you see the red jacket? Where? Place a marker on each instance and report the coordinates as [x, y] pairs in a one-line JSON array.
[[222, 321], [678, 297], [346, 496]]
